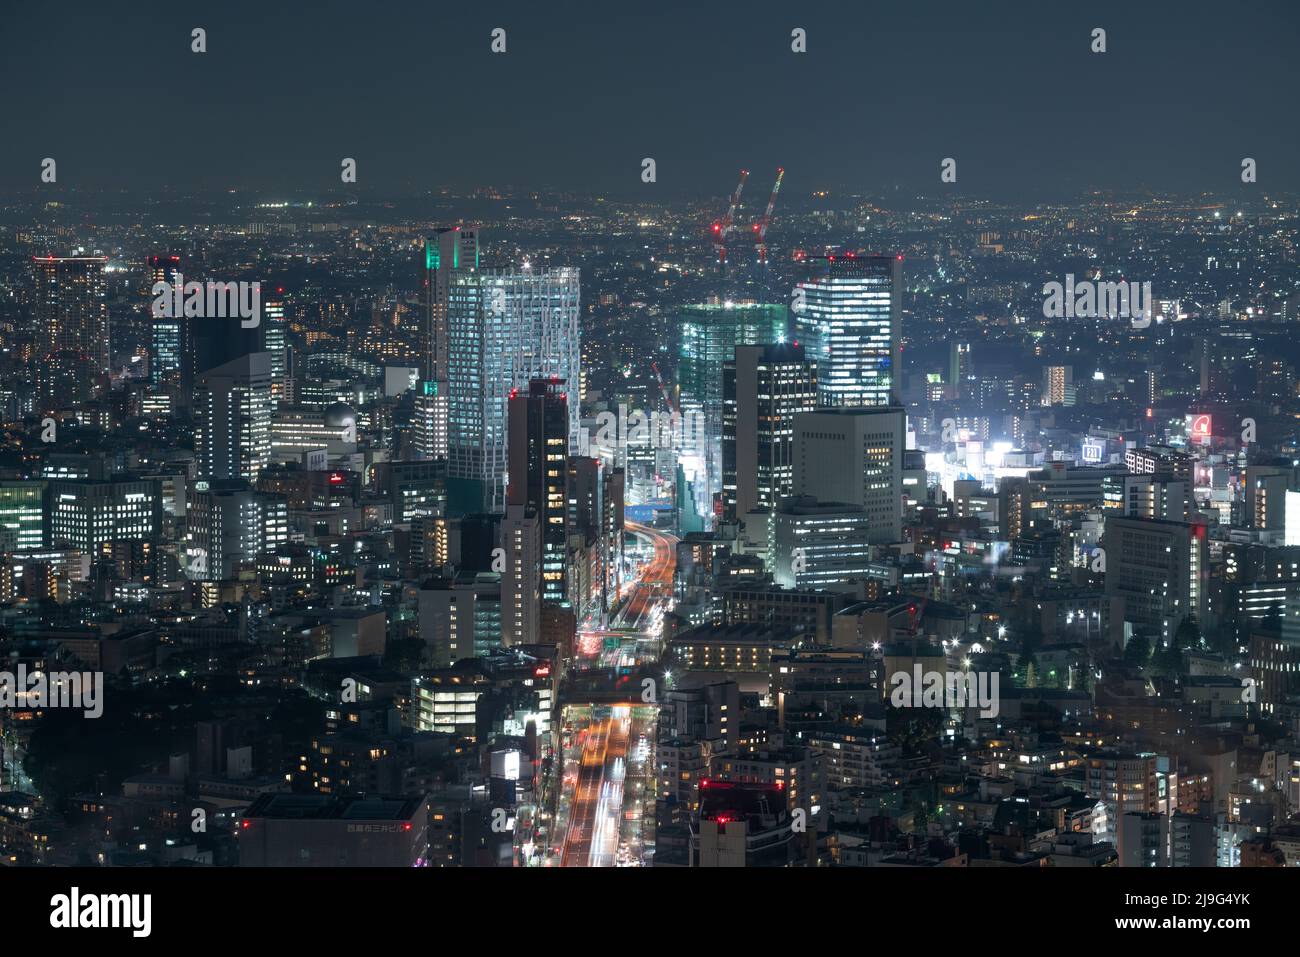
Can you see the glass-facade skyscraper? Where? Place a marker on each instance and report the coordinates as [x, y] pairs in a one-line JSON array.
[[22, 515], [505, 327], [171, 344], [709, 337], [847, 315]]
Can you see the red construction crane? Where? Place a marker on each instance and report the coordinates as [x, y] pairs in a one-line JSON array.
[[663, 389], [760, 228], [723, 228]]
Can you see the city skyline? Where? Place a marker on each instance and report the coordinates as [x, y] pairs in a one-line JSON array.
[[855, 438]]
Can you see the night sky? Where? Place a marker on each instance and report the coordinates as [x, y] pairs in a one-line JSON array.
[[586, 90]]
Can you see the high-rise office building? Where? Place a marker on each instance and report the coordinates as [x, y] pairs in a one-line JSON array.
[[815, 544], [709, 335], [22, 516], [1159, 568], [449, 254], [86, 514], [430, 419], [231, 523], [521, 580], [71, 309], [504, 327], [171, 355], [585, 488], [961, 375], [460, 617], [763, 388], [1266, 488], [274, 341], [854, 456], [416, 487], [1147, 496], [232, 409], [539, 452], [848, 315], [159, 269], [171, 343]]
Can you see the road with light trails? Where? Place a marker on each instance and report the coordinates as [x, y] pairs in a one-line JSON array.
[[595, 813], [638, 611], [603, 817], [654, 584]]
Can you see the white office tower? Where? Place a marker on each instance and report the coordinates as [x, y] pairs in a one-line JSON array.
[[231, 523], [521, 576], [232, 410], [274, 331], [816, 544], [430, 420], [854, 457], [847, 316], [504, 328]]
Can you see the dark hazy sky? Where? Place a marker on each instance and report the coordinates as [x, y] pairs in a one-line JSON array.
[[885, 91]]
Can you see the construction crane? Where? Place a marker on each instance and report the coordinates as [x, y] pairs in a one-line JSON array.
[[663, 389], [723, 228], [760, 228]]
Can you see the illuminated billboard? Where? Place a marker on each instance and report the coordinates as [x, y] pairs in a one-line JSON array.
[[1200, 428]]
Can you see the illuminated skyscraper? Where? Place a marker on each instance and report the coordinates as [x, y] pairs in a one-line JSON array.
[[159, 269], [231, 523], [1058, 385], [539, 452], [763, 388], [960, 374], [1159, 568], [847, 316], [71, 311], [521, 581], [854, 456], [275, 342], [451, 253], [430, 420], [709, 337], [86, 514], [232, 410], [22, 515], [504, 328], [171, 342]]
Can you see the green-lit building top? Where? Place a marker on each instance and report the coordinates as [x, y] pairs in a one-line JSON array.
[[709, 335]]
